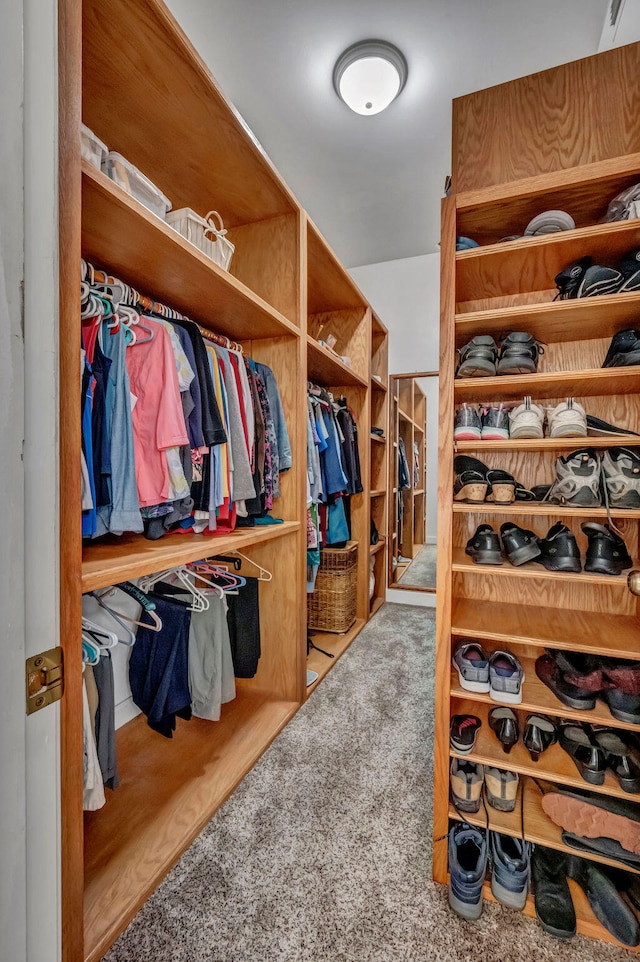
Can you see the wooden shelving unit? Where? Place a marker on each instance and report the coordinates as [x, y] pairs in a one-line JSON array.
[[379, 418], [500, 287], [285, 286], [408, 415]]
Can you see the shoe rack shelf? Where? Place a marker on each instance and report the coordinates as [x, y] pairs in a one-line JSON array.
[[379, 461], [540, 829], [504, 286]]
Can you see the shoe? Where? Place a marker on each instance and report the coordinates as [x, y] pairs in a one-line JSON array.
[[583, 671], [607, 553], [501, 788], [592, 815], [506, 675], [472, 666], [465, 243], [519, 354], [495, 423], [552, 898], [569, 279], [630, 269], [599, 280], [550, 674], [539, 734], [478, 357], [526, 420], [504, 723], [598, 428], [502, 486], [520, 545], [467, 425], [607, 847], [466, 780], [624, 350], [549, 222], [559, 549], [622, 757], [578, 741], [607, 904], [567, 420], [510, 861], [623, 707], [624, 205], [621, 474], [577, 480], [470, 483], [467, 870], [463, 733], [484, 547]]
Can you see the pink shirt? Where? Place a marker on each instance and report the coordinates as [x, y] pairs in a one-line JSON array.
[[158, 420]]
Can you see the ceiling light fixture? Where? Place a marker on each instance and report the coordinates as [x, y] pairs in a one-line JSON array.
[[369, 75]]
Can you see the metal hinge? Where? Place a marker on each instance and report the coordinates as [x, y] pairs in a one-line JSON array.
[[45, 679]]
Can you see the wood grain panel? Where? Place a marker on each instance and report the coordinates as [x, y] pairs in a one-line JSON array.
[[531, 570], [325, 369], [168, 792], [528, 623], [580, 384], [330, 287], [530, 264], [544, 510], [575, 114], [352, 332], [443, 558], [151, 255], [266, 260], [148, 95], [69, 197]]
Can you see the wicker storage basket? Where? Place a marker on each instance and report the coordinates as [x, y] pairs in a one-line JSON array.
[[332, 605], [206, 233]]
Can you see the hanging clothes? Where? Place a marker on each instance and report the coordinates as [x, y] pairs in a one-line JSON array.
[[243, 619]]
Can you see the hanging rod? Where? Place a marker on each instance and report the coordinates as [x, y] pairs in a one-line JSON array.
[[94, 276]]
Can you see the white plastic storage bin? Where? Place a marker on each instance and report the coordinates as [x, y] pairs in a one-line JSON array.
[[135, 183], [204, 233], [93, 149]]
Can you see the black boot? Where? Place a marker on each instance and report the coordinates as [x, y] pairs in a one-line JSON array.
[[552, 898], [606, 902]]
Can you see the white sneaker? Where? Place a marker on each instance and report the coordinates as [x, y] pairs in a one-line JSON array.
[[526, 420], [567, 420]]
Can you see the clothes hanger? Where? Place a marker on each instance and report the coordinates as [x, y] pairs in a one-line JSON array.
[[265, 575], [97, 632], [90, 651], [131, 638], [200, 601]]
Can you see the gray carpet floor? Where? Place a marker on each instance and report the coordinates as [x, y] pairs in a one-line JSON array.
[[323, 853], [422, 570]]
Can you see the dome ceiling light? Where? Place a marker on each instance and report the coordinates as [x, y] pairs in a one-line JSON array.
[[369, 75]]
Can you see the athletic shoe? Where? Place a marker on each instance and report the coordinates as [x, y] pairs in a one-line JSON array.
[[577, 480], [519, 354], [463, 732], [526, 421], [472, 666], [568, 419], [478, 357], [495, 423], [466, 780], [624, 206], [624, 350], [599, 280], [549, 222], [506, 675], [467, 870], [559, 549], [501, 787], [465, 243], [484, 546], [510, 865], [467, 425], [621, 475], [607, 553], [569, 279], [598, 428], [630, 269], [520, 545]]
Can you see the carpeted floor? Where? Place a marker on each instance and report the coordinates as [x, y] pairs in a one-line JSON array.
[[323, 854], [422, 570]]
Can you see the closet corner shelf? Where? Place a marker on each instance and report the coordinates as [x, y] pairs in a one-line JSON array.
[[550, 444], [378, 493], [462, 563], [131, 556], [554, 321], [118, 231], [374, 548], [597, 382], [378, 439], [327, 370], [544, 510], [417, 491], [333, 643], [378, 385]]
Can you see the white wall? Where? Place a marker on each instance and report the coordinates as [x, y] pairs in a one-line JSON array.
[[405, 294]]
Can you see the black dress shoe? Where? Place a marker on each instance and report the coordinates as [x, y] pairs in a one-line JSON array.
[[622, 757], [548, 671], [589, 758], [504, 722], [539, 734], [559, 550], [552, 898], [607, 553], [484, 546], [519, 544], [606, 902]]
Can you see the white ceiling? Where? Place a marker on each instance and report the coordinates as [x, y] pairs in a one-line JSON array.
[[373, 184]]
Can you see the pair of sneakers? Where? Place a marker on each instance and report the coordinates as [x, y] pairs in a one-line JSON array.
[[500, 675], [568, 419], [471, 849], [587, 480], [486, 423], [467, 780], [518, 354], [583, 278]]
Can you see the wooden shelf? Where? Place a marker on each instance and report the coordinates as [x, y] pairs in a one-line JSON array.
[[109, 561], [378, 493], [330, 287], [327, 369], [374, 548], [595, 383], [336, 644], [531, 263], [587, 631], [168, 792], [152, 255], [463, 563], [378, 385], [549, 444], [580, 319], [536, 697], [417, 491], [378, 439], [555, 764], [538, 827], [544, 510]]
